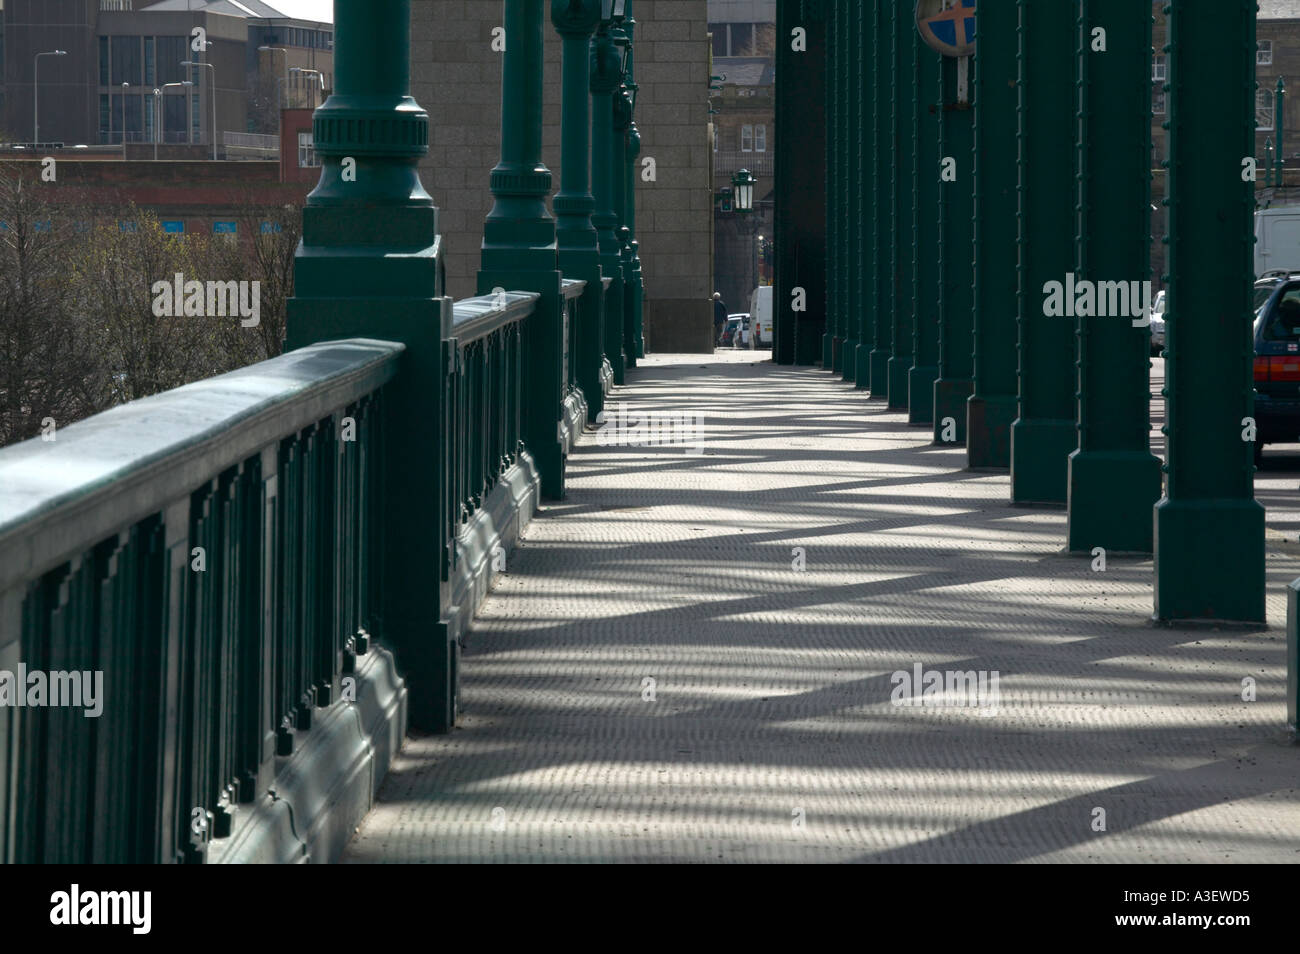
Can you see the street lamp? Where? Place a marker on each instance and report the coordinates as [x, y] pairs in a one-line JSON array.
[[125, 87], [320, 77], [742, 184], [212, 93], [279, 49], [157, 99], [36, 91]]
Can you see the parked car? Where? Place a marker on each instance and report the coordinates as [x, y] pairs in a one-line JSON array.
[[1277, 239], [1277, 366], [1158, 323], [734, 331]]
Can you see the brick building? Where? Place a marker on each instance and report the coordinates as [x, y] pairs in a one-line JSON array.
[[456, 77]]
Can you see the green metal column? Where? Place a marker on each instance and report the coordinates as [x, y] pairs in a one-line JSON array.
[[875, 347], [606, 78], [992, 406], [834, 182], [1043, 434], [369, 266], [1209, 530], [956, 253], [857, 81], [636, 290], [907, 42], [1114, 479], [622, 126], [576, 240], [519, 241], [925, 349], [842, 205]]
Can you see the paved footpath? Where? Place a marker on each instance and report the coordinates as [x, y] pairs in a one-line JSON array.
[[655, 678]]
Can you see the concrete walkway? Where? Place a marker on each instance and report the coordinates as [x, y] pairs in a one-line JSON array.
[[655, 679]]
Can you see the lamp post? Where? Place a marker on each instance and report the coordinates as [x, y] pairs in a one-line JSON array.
[[279, 49], [212, 93], [320, 77], [606, 79], [125, 87], [36, 93], [158, 97], [742, 185]]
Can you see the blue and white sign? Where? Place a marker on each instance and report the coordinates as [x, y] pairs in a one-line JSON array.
[[947, 26], [225, 228], [173, 226]]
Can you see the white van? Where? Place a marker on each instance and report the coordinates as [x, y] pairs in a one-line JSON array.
[[1277, 240], [760, 317]]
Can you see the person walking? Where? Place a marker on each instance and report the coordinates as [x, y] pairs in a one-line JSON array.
[[719, 317]]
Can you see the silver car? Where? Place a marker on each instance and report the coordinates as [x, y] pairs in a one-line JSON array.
[[1158, 323]]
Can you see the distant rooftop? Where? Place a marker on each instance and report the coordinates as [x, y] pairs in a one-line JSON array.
[[748, 70], [1279, 10], [315, 11]]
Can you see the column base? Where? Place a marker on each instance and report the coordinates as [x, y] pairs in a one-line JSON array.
[[950, 397], [920, 393], [1111, 494], [862, 358], [1040, 454], [828, 352], [837, 355], [896, 390], [988, 431], [849, 371], [1209, 560], [879, 382]]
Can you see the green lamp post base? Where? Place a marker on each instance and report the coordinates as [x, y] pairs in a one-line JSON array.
[[1040, 455], [950, 397], [896, 382], [920, 393], [1110, 498], [988, 431], [1228, 533]]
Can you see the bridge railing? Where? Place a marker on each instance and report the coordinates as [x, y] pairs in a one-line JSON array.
[[484, 407], [183, 579]]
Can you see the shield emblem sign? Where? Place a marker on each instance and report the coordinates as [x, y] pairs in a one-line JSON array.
[[947, 26]]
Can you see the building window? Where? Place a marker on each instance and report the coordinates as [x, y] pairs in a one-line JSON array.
[[171, 50], [149, 71], [1263, 109], [1264, 53], [105, 118], [746, 138], [760, 139], [307, 158], [127, 64], [103, 61], [1158, 103], [1159, 68], [742, 39], [173, 226], [719, 31]]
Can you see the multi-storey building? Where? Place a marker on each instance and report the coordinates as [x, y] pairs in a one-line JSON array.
[[109, 71]]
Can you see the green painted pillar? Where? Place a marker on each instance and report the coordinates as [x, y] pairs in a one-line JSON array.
[[519, 239], [858, 80], [925, 211], [844, 131], [1114, 479], [576, 240], [992, 406], [637, 292], [875, 346], [907, 42], [956, 253], [369, 266], [1209, 530], [622, 126], [606, 78], [834, 181], [1043, 434]]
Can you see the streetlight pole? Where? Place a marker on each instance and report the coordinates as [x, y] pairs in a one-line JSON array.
[[212, 93], [125, 87], [36, 93], [742, 184], [158, 95], [320, 77], [279, 49], [157, 117]]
